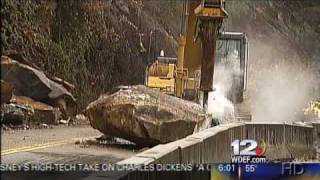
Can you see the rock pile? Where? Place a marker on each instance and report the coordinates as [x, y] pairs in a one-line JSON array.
[[29, 96]]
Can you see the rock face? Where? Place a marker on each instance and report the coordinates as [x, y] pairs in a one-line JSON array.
[[33, 83], [145, 116]]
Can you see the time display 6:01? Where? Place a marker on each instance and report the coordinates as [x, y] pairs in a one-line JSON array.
[[226, 167]]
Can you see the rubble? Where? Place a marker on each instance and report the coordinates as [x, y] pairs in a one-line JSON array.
[[44, 125], [63, 121], [31, 82], [30, 97], [145, 116], [43, 113], [23, 114], [79, 119], [14, 114]]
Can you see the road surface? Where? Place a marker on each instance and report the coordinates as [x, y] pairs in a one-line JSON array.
[[58, 145]]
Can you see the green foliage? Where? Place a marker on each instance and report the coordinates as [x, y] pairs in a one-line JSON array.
[[93, 45], [168, 13]]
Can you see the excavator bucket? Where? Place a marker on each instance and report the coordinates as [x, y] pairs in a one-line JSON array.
[[209, 9]]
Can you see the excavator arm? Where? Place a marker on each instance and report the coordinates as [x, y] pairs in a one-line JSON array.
[[197, 44], [201, 45]]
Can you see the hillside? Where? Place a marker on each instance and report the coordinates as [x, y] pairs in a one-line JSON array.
[[99, 44], [95, 45]]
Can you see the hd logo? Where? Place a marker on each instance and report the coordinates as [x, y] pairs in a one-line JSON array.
[[248, 151]]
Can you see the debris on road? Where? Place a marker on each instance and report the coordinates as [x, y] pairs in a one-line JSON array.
[[23, 110], [30, 97], [45, 125], [15, 114], [79, 119], [105, 137], [33, 83], [63, 121], [145, 116], [85, 143], [43, 113]]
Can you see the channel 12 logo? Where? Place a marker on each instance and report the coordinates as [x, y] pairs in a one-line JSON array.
[[248, 151]]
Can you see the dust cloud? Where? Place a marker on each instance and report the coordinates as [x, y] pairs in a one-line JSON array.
[[219, 105], [281, 82], [220, 108], [284, 65]]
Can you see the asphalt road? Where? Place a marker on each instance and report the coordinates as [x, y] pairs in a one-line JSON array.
[[60, 145]]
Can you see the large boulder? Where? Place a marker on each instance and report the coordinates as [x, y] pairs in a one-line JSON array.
[[145, 116], [33, 83]]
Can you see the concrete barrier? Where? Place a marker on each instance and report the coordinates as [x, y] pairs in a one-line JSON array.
[[283, 141]]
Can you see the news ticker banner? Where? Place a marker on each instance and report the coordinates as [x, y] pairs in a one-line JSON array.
[[216, 171]]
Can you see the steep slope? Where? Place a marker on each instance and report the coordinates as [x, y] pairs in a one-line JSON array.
[[95, 45], [99, 44]]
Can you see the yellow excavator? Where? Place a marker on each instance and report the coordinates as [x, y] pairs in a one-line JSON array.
[[202, 46]]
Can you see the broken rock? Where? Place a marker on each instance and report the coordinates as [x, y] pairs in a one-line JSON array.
[[63, 121], [33, 83], [13, 114], [80, 119], [43, 113], [145, 116]]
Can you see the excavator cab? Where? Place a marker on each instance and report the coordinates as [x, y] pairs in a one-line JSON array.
[[231, 65], [160, 74]]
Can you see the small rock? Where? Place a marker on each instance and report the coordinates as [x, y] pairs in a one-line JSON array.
[[80, 119], [25, 127], [63, 121], [105, 137], [44, 126], [91, 142]]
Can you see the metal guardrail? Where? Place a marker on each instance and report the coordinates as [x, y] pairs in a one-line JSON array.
[[213, 145]]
